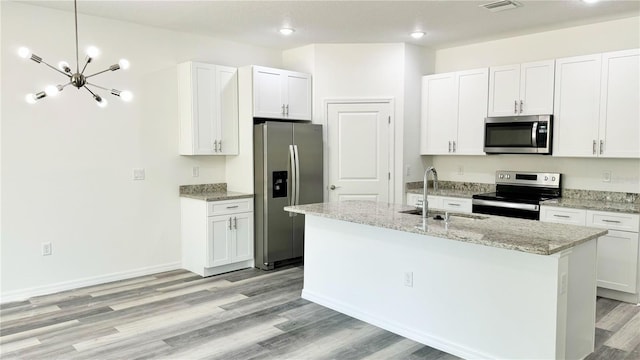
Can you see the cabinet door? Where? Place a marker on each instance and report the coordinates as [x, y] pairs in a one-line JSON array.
[[227, 90], [268, 93], [439, 114], [219, 241], [576, 106], [298, 96], [205, 108], [618, 261], [472, 109], [504, 89], [536, 88], [242, 244], [620, 111]]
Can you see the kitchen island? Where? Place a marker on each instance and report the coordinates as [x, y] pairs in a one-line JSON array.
[[475, 286]]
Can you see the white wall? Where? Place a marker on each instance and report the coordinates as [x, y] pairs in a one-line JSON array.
[[359, 71], [67, 164], [581, 40]]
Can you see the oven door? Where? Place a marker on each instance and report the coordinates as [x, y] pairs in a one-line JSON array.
[[517, 135], [506, 208]]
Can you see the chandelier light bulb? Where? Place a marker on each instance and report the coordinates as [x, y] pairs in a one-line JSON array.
[[64, 66], [126, 96], [93, 51], [24, 52], [124, 64], [51, 90], [101, 102], [30, 98]]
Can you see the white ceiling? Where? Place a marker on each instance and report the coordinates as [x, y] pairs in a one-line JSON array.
[[447, 22]]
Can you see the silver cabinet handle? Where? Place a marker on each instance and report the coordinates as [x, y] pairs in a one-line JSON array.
[[562, 216], [287, 107], [594, 147], [454, 146], [235, 223], [611, 221], [282, 109], [521, 106], [453, 204], [220, 145], [232, 207], [601, 146], [515, 106], [449, 146], [230, 228], [215, 146]]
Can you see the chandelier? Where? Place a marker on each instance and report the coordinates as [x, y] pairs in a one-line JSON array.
[[77, 78]]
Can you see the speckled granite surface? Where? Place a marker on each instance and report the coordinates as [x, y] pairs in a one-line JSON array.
[[452, 188], [598, 200], [508, 233], [211, 192]]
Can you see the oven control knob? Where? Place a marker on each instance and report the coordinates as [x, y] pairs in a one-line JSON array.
[[508, 176], [546, 178], [501, 176], [553, 178]]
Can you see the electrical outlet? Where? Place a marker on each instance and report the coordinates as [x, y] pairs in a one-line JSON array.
[[408, 279], [606, 176], [195, 171], [460, 170], [46, 249], [138, 174]]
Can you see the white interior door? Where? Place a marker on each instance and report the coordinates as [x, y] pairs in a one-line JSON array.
[[359, 152]]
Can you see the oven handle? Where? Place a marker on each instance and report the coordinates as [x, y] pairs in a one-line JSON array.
[[504, 204]]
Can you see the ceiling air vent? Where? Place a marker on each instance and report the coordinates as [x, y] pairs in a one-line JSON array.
[[501, 5]]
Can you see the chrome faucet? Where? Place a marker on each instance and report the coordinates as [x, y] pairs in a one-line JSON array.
[[425, 203]]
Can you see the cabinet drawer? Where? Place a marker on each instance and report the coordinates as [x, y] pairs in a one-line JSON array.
[[456, 204], [563, 215], [229, 206], [613, 221]]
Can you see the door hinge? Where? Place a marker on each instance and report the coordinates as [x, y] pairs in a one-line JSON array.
[[389, 119]]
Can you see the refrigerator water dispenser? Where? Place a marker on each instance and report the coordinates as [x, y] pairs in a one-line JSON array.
[[279, 184]]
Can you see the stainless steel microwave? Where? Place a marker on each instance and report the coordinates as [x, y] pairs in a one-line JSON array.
[[518, 134]]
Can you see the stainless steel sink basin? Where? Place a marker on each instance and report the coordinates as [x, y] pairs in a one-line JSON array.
[[439, 215]]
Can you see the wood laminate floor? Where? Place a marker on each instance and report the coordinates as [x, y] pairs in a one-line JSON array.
[[248, 314]]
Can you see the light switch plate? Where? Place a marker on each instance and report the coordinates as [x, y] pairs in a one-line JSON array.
[[195, 171], [138, 174], [606, 176]]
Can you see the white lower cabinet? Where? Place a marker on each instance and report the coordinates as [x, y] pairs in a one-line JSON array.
[[217, 237], [618, 251], [447, 203]]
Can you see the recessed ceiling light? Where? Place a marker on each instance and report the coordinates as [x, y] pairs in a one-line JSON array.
[[417, 34], [287, 31]]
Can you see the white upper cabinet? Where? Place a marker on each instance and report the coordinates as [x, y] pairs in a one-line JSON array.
[[521, 89], [596, 110], [281, 94], [208, 109], [454, 106], [620, 105]]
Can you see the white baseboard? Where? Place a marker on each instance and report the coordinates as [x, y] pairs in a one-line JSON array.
[[419, 336], [24, 294]]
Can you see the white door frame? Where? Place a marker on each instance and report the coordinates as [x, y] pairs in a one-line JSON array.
[[392, 147]]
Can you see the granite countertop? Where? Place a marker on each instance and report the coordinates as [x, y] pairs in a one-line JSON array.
[[452, 188], [502, 232], [211, 192], [598, 205], [445, 192]]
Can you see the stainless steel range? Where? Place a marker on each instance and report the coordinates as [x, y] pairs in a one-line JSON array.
[[518, 194]]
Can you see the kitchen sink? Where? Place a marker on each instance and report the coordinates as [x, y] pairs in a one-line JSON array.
[[439, 215]]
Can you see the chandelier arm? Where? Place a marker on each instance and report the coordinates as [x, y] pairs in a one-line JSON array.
[[85, 65], [75, 11], [89, 90], [98, 73], [99, 87], [56, 69]]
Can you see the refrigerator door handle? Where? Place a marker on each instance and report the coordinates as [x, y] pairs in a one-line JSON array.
[[292, 173], [297, 184]]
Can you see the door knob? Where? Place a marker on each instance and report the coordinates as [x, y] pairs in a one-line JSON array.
[[333, 187]]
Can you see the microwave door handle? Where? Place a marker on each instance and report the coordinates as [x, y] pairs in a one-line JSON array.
[[534, 134]]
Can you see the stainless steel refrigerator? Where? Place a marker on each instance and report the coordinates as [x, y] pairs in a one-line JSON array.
[[288, 171]]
